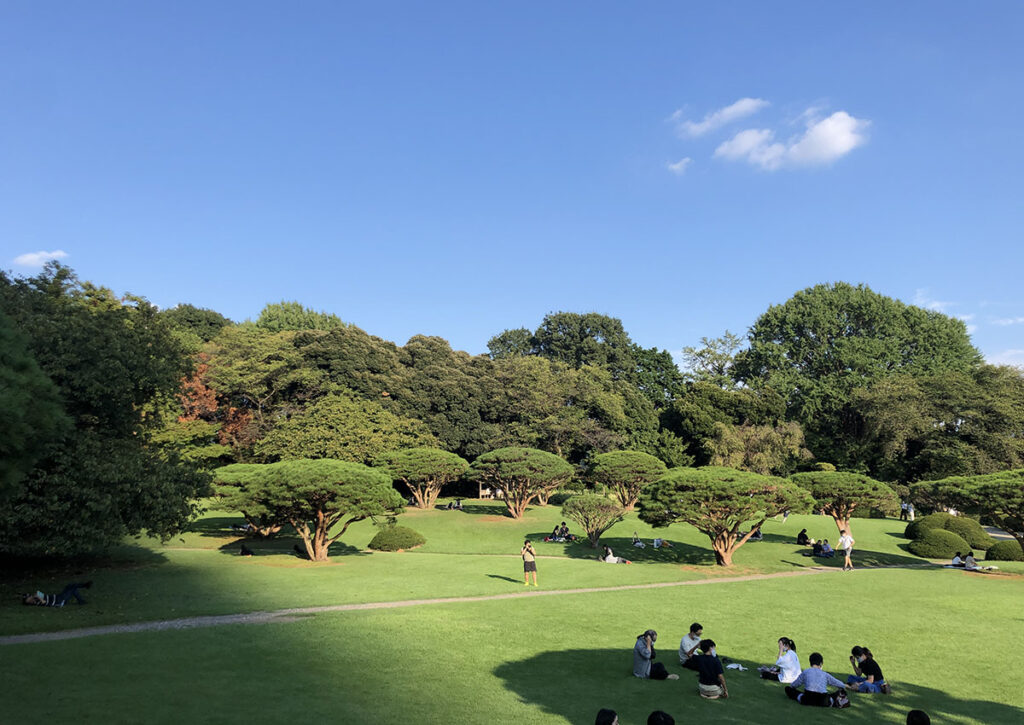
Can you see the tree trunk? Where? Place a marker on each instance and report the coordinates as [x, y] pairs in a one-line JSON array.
[[724, 545], [723, 556]]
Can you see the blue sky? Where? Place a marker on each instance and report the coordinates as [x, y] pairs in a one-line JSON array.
[[460, 168]]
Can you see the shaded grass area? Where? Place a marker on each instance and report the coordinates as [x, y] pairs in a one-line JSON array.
[[547, 659]]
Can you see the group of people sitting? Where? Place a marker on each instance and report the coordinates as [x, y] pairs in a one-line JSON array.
[[455, 505], [658, 543], [560, 534], [818, 548], [968, 562], [806, 686]]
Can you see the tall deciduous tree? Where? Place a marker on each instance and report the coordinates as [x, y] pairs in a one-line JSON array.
[[839, 494], [767, 449], [424, 471], [522, 475], [586, 339], [713, 361], [595, 514], [717, 502], [656, 375], [626, 473], [828, 340], [511, 343], [345, 428], [315, 497], [293, 316]]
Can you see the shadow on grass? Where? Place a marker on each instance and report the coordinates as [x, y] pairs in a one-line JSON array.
[[504, 578], [679, 553], [221, 527], [50, 570], [862, 557], [555, 681], [286, 545]]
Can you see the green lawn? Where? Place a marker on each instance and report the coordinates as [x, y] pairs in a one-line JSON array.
[[542, 659]]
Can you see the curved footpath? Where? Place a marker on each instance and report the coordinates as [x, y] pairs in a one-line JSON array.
[[291, 615]]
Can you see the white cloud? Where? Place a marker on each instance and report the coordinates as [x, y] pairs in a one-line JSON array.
[[923, 299], [1007, 357], [38, 259], [716, 119], [823, 141], [679, 167], [1009, 321]]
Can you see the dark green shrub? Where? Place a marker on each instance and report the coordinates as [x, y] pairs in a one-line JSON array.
[[916, 528], [970, 531], [1005, 551], [396, 538], [938, 544]]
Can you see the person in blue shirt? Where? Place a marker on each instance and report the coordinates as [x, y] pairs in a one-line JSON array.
[[56, 600], [815, 682]]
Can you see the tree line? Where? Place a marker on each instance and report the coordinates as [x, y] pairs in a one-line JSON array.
[[117, 412]]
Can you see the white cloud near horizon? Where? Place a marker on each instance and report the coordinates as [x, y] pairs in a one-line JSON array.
[[1007, 357], [923, 299], [1004, 321], [823, 141], [38, 259], [716, 119], [679, 167]]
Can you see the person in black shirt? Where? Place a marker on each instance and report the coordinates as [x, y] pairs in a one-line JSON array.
[[801, 538], [710, 675], [867, 675]]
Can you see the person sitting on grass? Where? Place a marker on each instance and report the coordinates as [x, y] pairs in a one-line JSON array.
[[801, 538], [644, 665], [867, 675], [563, 533], [710, 675], [662, 544], [815, 682], [827, 552], [610, 558], [637, 543], [688, 646], [787, 666], [757, 535], [957, 560], [970, 564], [56, 600], [606, 716], [554, 536]]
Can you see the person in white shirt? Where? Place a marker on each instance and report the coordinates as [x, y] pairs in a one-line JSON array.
[[957, 560], [787, 666], [846, 544], [688, 646]]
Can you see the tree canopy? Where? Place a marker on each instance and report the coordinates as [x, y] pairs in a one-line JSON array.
[[424, 471], [626, 473], [521, 475], [293, 316], [839, 494], [999, 496], [595, 514], [717, 502]]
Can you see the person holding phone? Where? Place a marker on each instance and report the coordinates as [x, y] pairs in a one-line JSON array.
[[529, 563]]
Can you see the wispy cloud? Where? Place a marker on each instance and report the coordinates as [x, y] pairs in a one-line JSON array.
[[1007, 357], [38, 259], [823, 141], [923, 299], [971, 329], [1004, 321], [679, 167], [716, 119]]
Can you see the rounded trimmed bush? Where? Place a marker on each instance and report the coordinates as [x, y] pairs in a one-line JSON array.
[[915, 529], [1005, 551], [938, 544], [970, 531], [396, 538]]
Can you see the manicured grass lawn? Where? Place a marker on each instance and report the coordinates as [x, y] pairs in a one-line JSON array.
[[949, 641]]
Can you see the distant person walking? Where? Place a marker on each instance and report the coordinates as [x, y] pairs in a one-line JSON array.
[[903, 511], [846, 543], [529, 563]]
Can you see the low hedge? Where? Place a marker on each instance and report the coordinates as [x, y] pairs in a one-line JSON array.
[[396, 538], [915, 529], [1005, 551], [970, 531], [938, 544]]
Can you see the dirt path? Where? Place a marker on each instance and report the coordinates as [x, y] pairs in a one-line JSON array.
[[294, 614]]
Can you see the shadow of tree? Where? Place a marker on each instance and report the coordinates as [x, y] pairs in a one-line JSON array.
[[558, 681], [679, 553], [286, 545]]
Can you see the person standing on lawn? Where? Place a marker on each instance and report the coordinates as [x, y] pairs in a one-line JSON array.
[[846, 543], [529, 563]]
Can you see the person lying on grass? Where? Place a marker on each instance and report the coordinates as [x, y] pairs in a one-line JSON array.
[[787, 666], [644, 665], [710, 675], [867, 675], [610, 558], [815, 682], [56, 600]]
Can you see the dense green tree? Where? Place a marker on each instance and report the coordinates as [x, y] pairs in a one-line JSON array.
[[424, 471], [998, 496], [521, 475], [656, 375], [713, 362], [626, 473], [317, 496], [342, 427], [511, 343], [766, 449], [293, 316], [204, 324], [110, 358], [31, 416], [839, 493], [586, 339], [717, 502], [595, 514], [828, 340], [949, 424], [237, 487]]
